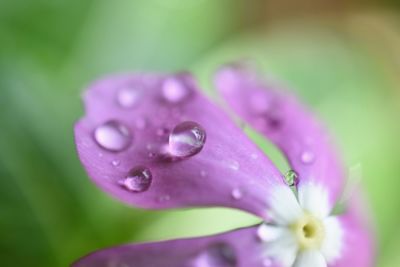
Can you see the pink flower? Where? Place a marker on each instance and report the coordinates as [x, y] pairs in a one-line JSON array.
[[153, 141]]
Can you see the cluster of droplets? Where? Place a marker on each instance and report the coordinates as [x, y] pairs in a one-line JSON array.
[[185, 140]]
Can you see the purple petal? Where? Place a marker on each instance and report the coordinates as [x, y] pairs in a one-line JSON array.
[[154, 141], [239, 248], [281, 118], [358, 248]]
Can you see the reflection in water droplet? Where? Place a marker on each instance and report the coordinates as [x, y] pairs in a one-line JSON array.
[[138, 179], [174, 90], [307, 157], [113, 136], [237, 193], [217, 255], [291, 178], [186, 139], [128, 97]]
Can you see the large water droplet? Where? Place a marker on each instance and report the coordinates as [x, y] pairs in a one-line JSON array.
[[138, 179], [217, 255], [186, 139], [291, 178], [174, 90], [113, 136], [128, 97], [307, 157]]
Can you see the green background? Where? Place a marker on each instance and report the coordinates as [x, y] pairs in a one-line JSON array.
[[342, 58]]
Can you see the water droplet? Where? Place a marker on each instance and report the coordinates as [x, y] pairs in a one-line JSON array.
[[216, 255], [151, 154], [203, 173], [115, 163], [141, 123], [307, 157], [128, 97], [174, 90], [291, 178], [237, 193], [234, 165], [186, 139], [113, 136], [138, 179], [254, 156]]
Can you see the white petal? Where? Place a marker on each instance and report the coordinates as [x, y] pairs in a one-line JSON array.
[[268, 233], [283, 249], [314, 199], [333, 242], [310, 258], [284, 208]]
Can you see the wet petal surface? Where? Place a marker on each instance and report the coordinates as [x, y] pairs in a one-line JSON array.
[[281, 118], [238, 248], [154, 141]]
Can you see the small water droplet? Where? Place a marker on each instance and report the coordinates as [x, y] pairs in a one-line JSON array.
[[237, 193], [115, 163], [234, 165], [254, 156], [113, 136], [216, 255], [291, 178], [140, 123], [203, 173], [307, 157], [186, 139], [174, 90], [151, 154], [138, 179], [128, 97]]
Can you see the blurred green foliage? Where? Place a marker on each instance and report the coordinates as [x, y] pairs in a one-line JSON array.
[[344, 65]]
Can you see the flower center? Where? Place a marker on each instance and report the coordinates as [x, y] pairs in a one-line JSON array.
[[309, 231]]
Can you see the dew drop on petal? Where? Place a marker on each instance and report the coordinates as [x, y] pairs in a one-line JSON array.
[[216, 255], [291, 178], [203, 173], [237, 194], [137, 180], [307, 157], [234, 165], [113, 136], [115, 163], [174, 90], [186, 139], [128, 97]]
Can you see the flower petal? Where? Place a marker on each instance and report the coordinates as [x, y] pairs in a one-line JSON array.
[[358, 243], [154, 141], [238, 248], [286, 122], [309, 258]]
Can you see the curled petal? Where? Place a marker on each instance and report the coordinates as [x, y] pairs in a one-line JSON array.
[[281, 118], [238, 248], [154, 141]]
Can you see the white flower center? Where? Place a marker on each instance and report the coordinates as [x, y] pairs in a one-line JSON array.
[[301, 231]]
